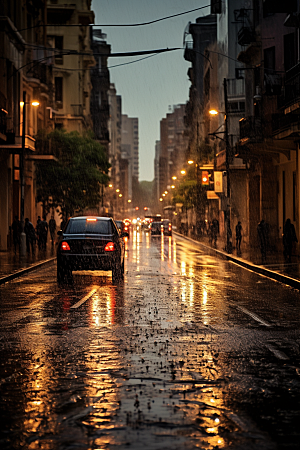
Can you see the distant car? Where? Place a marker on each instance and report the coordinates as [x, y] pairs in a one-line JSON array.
[[156, 228], [124, 227], [167, 227], [90, 243]]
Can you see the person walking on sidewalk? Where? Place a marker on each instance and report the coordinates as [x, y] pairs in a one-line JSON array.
[[238, 236], [16, 229], [214, 231], [289, 237], [262, 231], [30, 236], [43, 230], [52, 229]]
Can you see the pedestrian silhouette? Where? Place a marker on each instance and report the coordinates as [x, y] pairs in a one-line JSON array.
[[52, 228], [214, 231], [262, 231], [289, 237], [30, 236], [238, 236], [43, 230], [16, 229]]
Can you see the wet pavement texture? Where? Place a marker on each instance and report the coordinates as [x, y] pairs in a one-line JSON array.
[[190, 351]]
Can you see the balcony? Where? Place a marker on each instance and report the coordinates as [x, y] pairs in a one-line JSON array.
[[286, 126], [291, 90], [189, 53], [246, 36], [251, 130], [3, 120]]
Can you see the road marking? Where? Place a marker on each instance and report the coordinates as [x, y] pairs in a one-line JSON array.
[[254, 316], [84, 299], [278, 353]]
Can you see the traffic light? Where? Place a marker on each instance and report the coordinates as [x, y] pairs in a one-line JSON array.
[[205, 178]]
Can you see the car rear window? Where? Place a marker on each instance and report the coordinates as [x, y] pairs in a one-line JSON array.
[[83, 226], [156, 224]]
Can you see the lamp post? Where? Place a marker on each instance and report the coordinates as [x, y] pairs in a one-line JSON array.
[[22, 177], [227, 162]]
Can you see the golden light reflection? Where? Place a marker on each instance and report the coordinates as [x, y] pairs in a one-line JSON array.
[[147, 240], [170, 248], [183, 268], [162, 254], [174, 252], [103, 306]]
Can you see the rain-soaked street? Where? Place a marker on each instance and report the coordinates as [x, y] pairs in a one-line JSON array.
[[190, 351]]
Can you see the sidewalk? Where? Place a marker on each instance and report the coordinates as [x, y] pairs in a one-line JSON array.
[[13, 266], [273, 267]]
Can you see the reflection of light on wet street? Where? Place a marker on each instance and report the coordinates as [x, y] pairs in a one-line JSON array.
[[131, 365]]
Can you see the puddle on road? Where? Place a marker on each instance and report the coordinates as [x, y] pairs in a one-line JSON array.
[[135, 366]]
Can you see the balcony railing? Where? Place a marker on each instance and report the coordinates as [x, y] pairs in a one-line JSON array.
[[235, 88], [3, 120], [251, 129], [285, 123], [291, 89], [246, 35], [189, 53]]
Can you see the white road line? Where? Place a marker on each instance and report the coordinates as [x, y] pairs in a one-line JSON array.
[[254, 316], [278, 353], [84, 299]]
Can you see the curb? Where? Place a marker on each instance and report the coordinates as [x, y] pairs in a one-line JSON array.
[[25, 271], [248, 265]]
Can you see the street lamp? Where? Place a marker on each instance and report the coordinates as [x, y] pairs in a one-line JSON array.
[[22, 177]]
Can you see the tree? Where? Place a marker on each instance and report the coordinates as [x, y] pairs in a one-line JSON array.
[[72, 182]]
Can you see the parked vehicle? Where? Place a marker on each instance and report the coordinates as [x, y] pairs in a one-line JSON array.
[[90, 243]]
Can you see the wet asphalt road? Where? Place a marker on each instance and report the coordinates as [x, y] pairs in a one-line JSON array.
[[189, 352]]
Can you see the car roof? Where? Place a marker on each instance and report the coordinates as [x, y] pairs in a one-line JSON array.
[[88, 217]]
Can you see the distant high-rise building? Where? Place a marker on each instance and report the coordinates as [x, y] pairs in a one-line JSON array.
[[130, 148]]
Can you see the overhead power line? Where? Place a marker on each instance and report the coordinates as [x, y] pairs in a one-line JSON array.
[[117, 25]]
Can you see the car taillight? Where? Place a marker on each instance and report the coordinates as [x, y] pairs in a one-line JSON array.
[[170, 227], [65, 246], [110, 247], [125, 228]]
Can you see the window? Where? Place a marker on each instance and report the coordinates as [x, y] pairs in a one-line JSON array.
[[58, 89], [82, 226], [59, 45], [289, 51]]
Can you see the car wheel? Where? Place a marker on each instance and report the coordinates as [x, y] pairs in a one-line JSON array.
[[63, 273], [117, 273], [123, 269]]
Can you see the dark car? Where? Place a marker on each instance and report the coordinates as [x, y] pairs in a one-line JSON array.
[[90, 243], [167, 227], [156, 228], [124, 227]]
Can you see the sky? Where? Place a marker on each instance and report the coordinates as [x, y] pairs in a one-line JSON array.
[[149, 87]]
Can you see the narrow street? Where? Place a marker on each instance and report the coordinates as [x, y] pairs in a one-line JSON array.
[[190, 351]]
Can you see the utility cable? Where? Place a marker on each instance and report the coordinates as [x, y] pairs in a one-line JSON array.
[[117, 25]]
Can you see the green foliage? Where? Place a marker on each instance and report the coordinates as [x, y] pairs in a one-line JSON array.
[[73, 181]]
